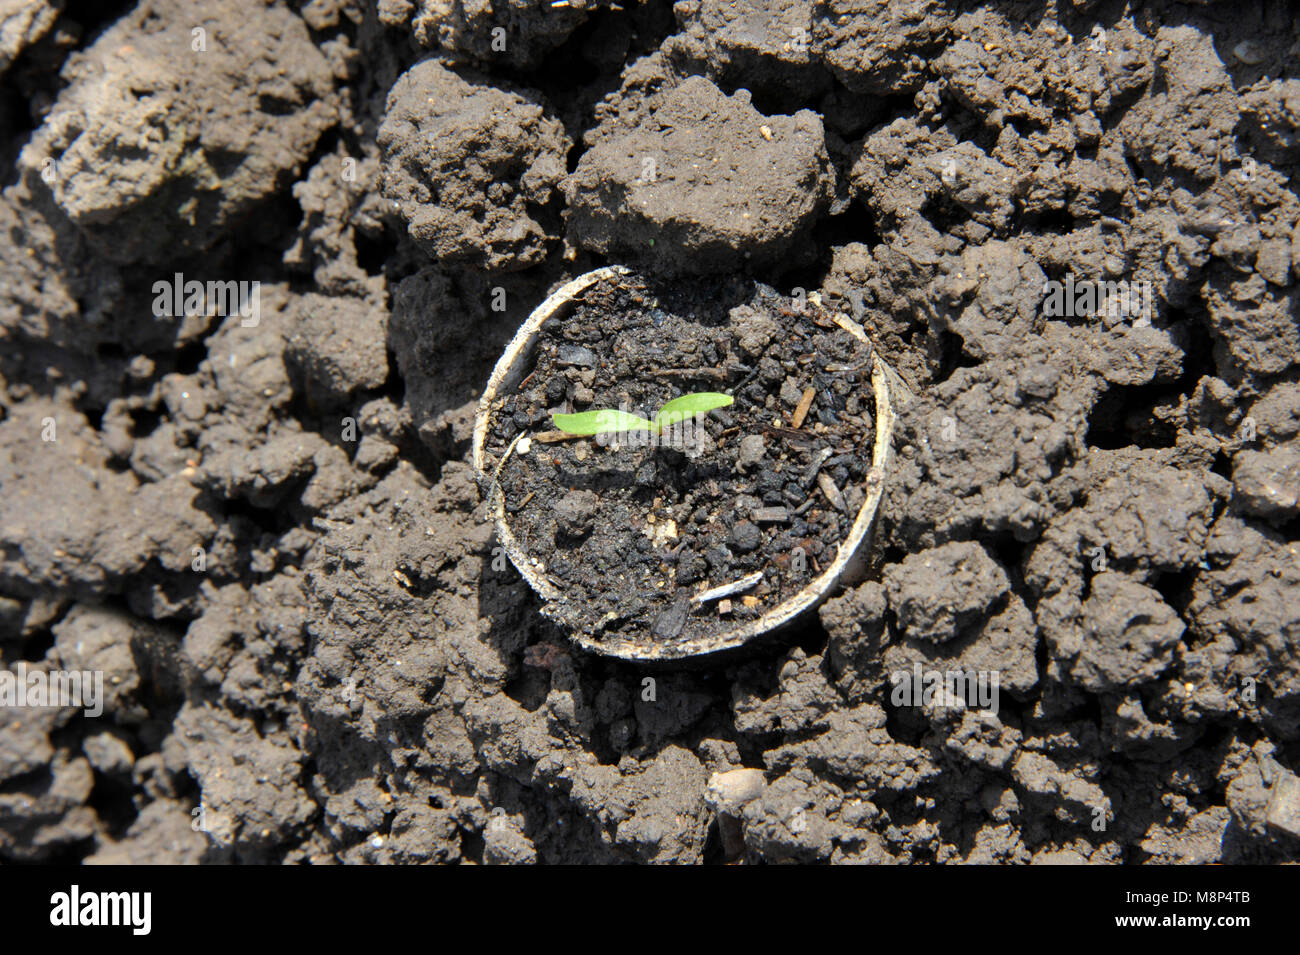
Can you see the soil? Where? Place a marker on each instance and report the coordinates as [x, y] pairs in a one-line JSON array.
[[630, 534], [268, 537]]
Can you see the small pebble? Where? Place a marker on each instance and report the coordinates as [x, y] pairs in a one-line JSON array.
[[745, 537], [730, 791], [752, 449], [670, 623], [576, 355], [1248, 52], [791, 392], [1283, 811], [575, 513]]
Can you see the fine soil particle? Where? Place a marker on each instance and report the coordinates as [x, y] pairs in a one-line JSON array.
[[631, 533]]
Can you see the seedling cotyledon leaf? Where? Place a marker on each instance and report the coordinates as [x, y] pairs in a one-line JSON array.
[[609, 420]]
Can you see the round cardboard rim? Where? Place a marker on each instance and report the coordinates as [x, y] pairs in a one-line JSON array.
[[888, 390]]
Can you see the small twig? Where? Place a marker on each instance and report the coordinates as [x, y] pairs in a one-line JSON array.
[[818, 460], [550, 437], [825, 482], [726, 590], [717, 374], [801, 412], [849, 325], [789, 433]]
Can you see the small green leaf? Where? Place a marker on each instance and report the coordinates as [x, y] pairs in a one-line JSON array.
[[599, 421], [688, 406]]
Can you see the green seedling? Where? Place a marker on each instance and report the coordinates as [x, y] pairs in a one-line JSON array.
[[611, 421]]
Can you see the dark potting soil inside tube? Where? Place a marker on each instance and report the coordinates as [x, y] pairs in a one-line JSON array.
[[631, 527]]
